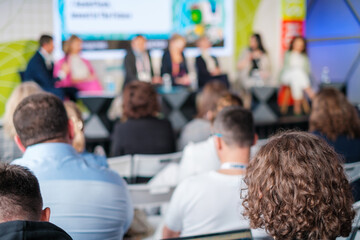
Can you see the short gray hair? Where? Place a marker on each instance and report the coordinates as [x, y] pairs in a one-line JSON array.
[[236, 125]]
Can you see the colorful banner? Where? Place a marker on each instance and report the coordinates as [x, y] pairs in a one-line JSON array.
[[293, 21]]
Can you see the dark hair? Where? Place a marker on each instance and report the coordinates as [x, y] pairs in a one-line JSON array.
[[139, 36], [332, 115], [259, 42], [209, 96], [45, 39], [139, 100], [297, 189], [20, 197], [236, 125], [40, 118], [291, 46]]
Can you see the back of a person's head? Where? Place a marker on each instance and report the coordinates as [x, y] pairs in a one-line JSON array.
[[209, 96], [19, 93], [74, 114], [333, 115], [40, 118], [139, 100], [45, 39], [297, 189], [226, 99], [236, 126], [20, 197]]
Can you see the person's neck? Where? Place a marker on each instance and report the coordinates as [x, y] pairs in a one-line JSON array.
[[239, 156], [58, 140]]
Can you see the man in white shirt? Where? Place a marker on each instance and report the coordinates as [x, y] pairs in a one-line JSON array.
[[211, 202]]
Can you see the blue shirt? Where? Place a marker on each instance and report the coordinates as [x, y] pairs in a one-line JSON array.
[[89, 203]]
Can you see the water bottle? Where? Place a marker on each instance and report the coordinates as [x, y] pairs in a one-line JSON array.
[[167, 82], [325, 75], [110, 87]]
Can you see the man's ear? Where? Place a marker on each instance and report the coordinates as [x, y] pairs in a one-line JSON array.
[[256, 138], [71, 130], [19, 143], [45, 215], [218, 143]]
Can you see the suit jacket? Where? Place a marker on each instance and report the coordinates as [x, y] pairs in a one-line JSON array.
[[202, 72], [130, 66], [38, 72], [147, 135], [166, 66]]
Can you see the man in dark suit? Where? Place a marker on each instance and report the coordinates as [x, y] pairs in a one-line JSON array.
[[137, 62], [207, 66], [40, 67]]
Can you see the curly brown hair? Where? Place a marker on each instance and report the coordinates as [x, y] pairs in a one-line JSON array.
[[332, 115], [139, 100], [297, 189]]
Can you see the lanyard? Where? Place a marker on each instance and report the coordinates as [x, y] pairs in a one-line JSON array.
[[232, 165]]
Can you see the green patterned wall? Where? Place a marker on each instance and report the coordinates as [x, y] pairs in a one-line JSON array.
[[245, 11], [13, 58]]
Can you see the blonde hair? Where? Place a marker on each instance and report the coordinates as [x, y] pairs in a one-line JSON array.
[[19, 93], [69, 42], [74, 114]]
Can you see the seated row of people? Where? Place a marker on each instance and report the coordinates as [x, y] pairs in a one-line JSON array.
[[138, 64]]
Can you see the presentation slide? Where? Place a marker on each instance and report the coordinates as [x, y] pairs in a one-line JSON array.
[[107, 26]]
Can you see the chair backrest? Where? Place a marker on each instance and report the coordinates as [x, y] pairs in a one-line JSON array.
[[122, 165], [243, 234], [356, 222], [352, 171], [144, 195], [149, 165]]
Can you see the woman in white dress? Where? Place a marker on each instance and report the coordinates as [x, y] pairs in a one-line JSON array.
[[296, 72]]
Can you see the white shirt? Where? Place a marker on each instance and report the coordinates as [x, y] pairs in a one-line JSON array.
[[202, 157], [207, 203], [47, 57]]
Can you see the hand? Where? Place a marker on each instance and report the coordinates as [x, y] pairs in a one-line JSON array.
[[157, 80], [184, 80], [65, 68], [216, 72]]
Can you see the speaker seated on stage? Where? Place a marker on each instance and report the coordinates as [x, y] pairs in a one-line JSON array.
[[40, 67], [207, 66], [199, 129], [174, 63], [75, 71], [296, 75], [138, 64], [141, 131], [334, 119], [86, 201], [21, 207], [210, 202]]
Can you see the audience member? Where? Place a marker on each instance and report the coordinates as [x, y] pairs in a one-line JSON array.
[[142, 132], [297, 189], [89, 203], [40, 67], [254, 63], [21, 207], [209, 202], [201, 157], [137, 62], [75, 71], [174, 62], [207, 66], [74, 114], [8, 148], [335, 119], [199, 129], [296, 72]]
